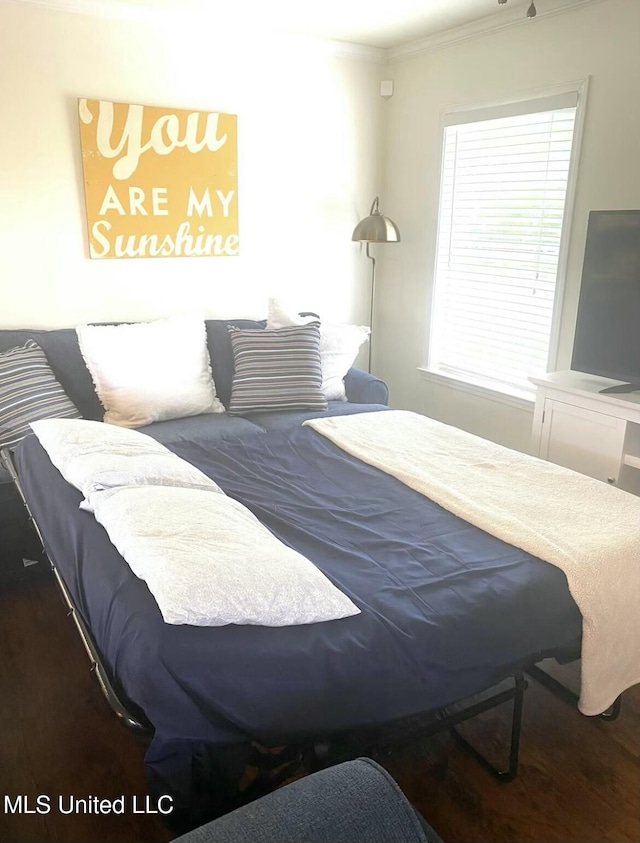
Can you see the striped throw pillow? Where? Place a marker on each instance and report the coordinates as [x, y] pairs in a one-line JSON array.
[[276, 369], [29, 392]]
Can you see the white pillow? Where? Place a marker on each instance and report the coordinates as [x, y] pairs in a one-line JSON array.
[[150, 371], [339, 346], [94, 456], [280, 316], [208, 561]]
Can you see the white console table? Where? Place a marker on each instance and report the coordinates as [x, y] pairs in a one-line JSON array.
[[576, 426]]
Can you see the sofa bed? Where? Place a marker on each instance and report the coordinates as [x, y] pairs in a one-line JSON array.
[[436, 601], [364, 392]]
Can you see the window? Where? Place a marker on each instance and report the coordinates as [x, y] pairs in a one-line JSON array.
[[505, 173]]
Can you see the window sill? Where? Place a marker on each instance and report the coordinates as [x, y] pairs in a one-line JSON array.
[[517, 401]]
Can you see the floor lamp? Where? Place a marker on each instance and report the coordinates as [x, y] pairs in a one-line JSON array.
[[375, 228]]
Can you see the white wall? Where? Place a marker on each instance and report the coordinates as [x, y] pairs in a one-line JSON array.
[[601, 41], [309, 163], [315, 140]]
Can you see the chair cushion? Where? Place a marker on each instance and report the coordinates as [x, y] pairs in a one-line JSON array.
[[209, 429], [284, 420]]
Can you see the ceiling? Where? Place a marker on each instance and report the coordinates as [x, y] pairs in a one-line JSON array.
[[383, 24], [375, 23]]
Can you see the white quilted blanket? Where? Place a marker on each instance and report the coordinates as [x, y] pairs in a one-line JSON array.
[[588, 529], [207, 559]]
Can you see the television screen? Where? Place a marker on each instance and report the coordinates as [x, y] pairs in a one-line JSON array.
[[607, 338]]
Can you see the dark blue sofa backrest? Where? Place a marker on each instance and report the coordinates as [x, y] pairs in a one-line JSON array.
[[63, 353]]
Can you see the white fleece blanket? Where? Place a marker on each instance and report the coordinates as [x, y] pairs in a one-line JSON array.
[[588, 529]]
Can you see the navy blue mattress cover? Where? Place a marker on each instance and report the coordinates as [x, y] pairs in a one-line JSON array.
[[447, 610]]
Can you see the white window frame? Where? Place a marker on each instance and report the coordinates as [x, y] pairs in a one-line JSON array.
[[468, 114]]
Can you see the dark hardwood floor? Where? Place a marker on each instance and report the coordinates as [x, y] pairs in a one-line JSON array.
[[58, 736], [579, 778]]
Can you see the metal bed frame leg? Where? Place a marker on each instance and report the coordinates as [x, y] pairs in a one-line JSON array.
[[326, 751], [511, 772], [98, 668], [567, 695]]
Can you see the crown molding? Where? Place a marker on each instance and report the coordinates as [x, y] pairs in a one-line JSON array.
[[504, 19], [363, 52], [118, 10]]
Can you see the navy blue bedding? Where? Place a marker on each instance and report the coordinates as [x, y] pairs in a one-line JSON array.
[[447, 610]]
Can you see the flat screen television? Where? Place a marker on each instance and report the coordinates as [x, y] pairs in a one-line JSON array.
[[607, 338]]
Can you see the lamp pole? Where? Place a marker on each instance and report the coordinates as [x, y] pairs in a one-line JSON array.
[[372, 300], [376, 228]]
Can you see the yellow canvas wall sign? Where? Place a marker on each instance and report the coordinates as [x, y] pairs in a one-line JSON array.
[[159, 182]]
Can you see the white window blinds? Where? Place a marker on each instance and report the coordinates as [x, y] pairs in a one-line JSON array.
[[502, 202]]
